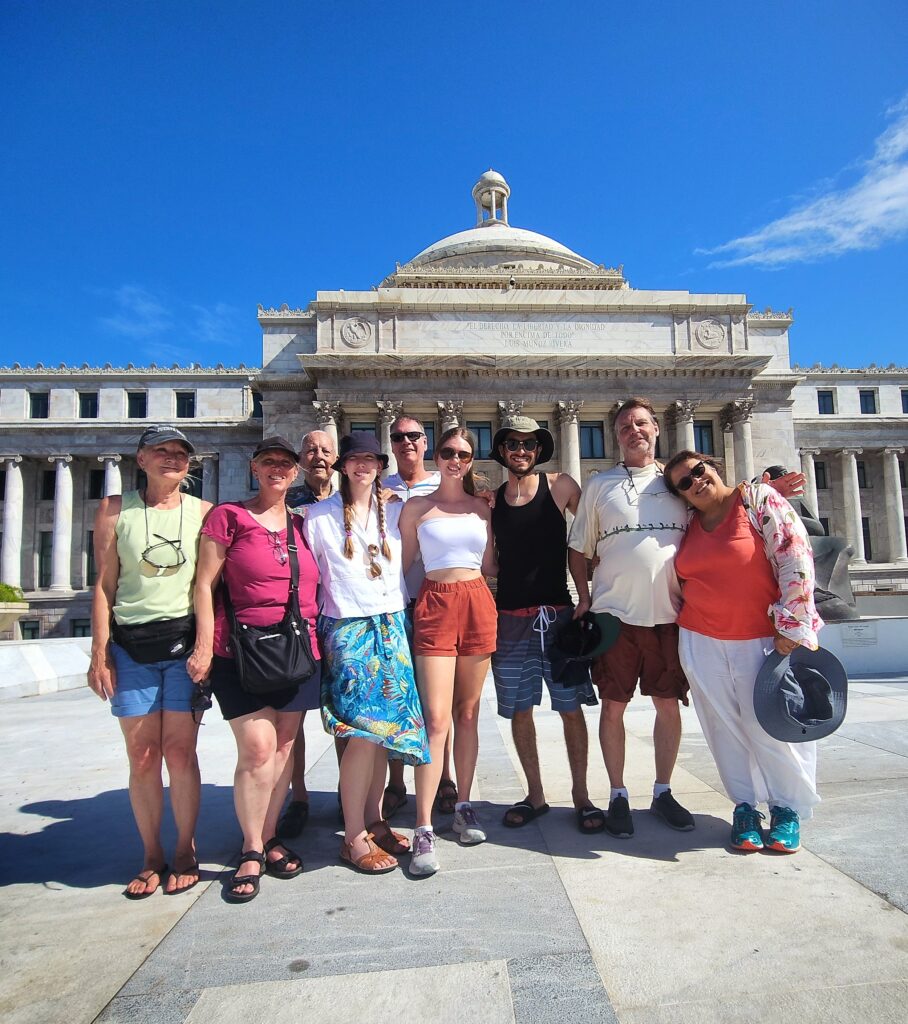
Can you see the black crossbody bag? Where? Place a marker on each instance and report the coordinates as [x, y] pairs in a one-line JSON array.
[[278, 657]]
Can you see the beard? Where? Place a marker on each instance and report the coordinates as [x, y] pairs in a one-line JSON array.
[[522, 471]]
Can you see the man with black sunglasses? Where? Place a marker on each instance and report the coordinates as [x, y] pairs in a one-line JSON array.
[[533, 600]]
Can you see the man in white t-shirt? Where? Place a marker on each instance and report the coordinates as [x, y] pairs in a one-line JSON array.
[[412, 479], [629, 521]]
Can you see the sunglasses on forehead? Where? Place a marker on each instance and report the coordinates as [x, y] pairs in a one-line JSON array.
[[686, 482], [528, 444], [454, 453], [411, 435]]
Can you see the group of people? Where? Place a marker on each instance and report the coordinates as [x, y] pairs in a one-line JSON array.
[[390, 579]]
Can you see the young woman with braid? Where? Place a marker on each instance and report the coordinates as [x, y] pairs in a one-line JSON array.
[[369, 697]]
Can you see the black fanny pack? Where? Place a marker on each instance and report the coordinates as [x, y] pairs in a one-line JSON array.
[[164, 640]]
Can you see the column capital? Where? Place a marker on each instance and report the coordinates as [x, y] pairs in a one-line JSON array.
[[327, 413], [66, 459], [851, 451], [15, 459], [507, 411], [894, 449], [110, 458], [451, 409], [809, 451], [681, 411], [739, 411], [569, 411], [388, 411]]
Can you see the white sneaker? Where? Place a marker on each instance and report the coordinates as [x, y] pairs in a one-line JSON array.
[[423, 860], [467, 826]]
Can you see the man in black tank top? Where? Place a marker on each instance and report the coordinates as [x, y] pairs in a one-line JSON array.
[[533, 600]]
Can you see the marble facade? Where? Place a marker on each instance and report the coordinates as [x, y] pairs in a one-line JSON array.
[[487, 322]]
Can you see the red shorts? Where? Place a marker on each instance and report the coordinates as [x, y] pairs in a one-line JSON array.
[[454, 618], [647, 653]]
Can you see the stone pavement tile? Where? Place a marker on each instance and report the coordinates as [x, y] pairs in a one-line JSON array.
[[731, 921], [882, 1003], [885, 736], [562, 987], [860, 828], [442, 995]]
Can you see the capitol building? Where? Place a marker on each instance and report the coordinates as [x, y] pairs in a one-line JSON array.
[[485, 323]]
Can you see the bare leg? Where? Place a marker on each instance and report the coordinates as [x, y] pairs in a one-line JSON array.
[[362, 762], [666, 737], [435, 679], [611, 739], [286, 728], [523, 730], [146, 790], [376, 790], [178, 743], [298, 777], [446, 772], [469, 676], [253, 781], [576, 740]]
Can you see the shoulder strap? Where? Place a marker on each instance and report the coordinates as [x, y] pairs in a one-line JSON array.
[[293, 603]]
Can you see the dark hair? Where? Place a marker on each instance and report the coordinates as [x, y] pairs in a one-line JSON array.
[[469, 483], [635, 402], [677, 459], [395, 423]]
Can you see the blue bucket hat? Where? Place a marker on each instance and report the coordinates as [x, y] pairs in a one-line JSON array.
[[801, 697]]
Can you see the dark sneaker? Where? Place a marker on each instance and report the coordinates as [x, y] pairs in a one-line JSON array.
[[784, 830], [618, 818], [745, 829], [666, 807]]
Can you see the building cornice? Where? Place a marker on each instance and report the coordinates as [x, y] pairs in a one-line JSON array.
[[175, 371], [846, 371]]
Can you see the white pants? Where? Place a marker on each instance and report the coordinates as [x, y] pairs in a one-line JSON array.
[[754, 767]]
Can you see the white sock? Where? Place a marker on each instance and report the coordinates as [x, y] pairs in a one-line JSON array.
[[423, 828], [459, 806], [659, 788], [621, 791]]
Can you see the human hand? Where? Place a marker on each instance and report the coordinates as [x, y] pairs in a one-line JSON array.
[[783, 645], [198, 665], [102, 675], [583, 606], [789, 486], [388, 495]]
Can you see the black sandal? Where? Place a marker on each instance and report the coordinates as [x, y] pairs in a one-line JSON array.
[[278, 868], [237, 880], [522, 813], [394, 798]]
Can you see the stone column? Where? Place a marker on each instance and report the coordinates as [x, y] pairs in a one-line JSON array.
[[210, 467], [738, 414], [810, 477], [387, 413], [450, 413], [60, 568], [681, 414], [11, 555], [851, 492], [895, 507], [569, 420], [328, 416], [112, 482]]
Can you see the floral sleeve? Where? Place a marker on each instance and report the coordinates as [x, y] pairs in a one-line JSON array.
[[788, 550]]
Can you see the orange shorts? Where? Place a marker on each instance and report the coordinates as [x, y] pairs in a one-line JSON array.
[[454, 618]]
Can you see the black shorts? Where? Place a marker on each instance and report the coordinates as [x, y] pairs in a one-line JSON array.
[[234, 702]]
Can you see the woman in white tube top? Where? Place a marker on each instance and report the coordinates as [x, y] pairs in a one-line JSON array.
[[454, 631]]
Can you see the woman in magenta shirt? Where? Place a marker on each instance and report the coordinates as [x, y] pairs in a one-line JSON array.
[[245, 544]]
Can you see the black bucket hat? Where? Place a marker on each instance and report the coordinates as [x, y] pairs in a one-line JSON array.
[[360, 443], [524, 425]]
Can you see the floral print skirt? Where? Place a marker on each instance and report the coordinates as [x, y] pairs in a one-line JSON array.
[[368, 687]]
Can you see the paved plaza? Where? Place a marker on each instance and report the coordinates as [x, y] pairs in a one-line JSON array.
[[539, 924]]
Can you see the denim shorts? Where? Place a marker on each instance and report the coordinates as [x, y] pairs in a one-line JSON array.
[[145, 689]]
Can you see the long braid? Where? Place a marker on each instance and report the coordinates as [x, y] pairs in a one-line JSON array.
[[382, 524], [348, 517]]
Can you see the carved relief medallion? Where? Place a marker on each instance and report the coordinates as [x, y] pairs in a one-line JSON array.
[[356, 332], [710, 334]]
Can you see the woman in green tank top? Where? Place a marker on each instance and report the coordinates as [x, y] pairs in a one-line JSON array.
[[146, 544]]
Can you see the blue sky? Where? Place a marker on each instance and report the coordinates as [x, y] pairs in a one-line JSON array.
[[170, 165]]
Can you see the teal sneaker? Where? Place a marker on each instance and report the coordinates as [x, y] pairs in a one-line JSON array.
[[784, 830], [745, 828]]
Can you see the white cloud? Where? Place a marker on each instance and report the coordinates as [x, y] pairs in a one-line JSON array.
[[140, 314], [216, 323], [865, 215]]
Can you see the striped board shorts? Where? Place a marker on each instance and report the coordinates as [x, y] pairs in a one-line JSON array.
[[521, 662]]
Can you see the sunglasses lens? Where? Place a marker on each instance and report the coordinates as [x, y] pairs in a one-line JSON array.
[[410, 435], [686, 482], [453, 453], [529, 445]]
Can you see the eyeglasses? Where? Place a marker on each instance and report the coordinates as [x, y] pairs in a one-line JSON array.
[[200, 702], [529, 444], [455, 453], [686, 482], [374, 567], [165, 555], [411, 435], [277, 548]]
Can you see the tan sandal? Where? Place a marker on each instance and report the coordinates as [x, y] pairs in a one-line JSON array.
[[369, 863], [387, 839]]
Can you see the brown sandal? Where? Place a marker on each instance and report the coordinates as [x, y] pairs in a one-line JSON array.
[[446, 797], [387, 839], [368, 864]]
